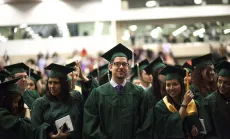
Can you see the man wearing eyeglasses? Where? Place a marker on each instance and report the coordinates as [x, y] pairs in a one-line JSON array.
[[117, 109], [19, 70]]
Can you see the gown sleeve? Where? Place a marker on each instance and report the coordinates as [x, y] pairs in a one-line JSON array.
[[168, 125], [88, 86], [91, 119], [40, 128]]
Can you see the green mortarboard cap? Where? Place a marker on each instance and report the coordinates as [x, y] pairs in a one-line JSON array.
[[154, 65], [17, 68], [58, 71], [72, 64], [94, 73], [118, 51], [34, 77], [102, 70], [224, 69], [9, 87], [202, 61], [172, 72], [3, 75], [141, 66], [190, 68], [220, 60]]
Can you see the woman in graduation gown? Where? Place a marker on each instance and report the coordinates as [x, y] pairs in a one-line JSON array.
[[219, 103], [155, 92], [11, 105], [177, 114], [56, 104], [203, 84]]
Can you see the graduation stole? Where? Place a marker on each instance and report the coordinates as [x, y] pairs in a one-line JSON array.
[[77, 88], [191, 108]]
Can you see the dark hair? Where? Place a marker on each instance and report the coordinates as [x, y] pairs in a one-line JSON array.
[[156, 86], [65, 89], [199, 83], [181, 82], [8, 100]]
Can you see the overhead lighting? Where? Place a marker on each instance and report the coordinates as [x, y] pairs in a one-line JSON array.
[[23, 26], [179, 30], [28, 29], [198, 1], [3, 38], [126, 36], [226, 31], [198, 32], [155, 32], [2, 1], [201, 35], [49, 0], [31, 32], [151, 3], [15, 30], [50, 37], [98, 28], [133, 27]]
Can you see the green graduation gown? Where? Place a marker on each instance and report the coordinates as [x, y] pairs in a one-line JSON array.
[[219, 110], [117, 115], [202, 112], [46, 110], [29, 97], [170, 125], [13, 127]]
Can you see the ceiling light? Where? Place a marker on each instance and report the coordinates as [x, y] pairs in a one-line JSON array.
[[226, 31], [28, 29], [50, 37], [15, 30], [201, 35], [23, 26], [198, 1], [198, 32], [179, 30], [151, 3], [133, 27], [126, 35], [155, 32]]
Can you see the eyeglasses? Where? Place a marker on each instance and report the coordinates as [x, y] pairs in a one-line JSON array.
[[118, 64]]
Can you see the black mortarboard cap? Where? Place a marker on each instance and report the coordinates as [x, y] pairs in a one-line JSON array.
[[17, 68], [200, 62], [154, 65], [172, 72], [58, 71]]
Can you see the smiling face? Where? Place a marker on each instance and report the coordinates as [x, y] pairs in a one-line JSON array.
[[223, 85], [173, 88], [208, 73], [119, 68]]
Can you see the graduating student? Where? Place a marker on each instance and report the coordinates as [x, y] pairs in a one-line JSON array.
[[56, 104], [203, 84], [177, 114], [11, 104], [87, 84], [140, 73], [156, 91], [117, 109], [219, 102], [19, 71]]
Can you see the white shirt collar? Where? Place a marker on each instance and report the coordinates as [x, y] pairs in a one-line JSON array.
[[114, 84]]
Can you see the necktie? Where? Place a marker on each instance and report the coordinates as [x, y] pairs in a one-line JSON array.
[[118, 88]]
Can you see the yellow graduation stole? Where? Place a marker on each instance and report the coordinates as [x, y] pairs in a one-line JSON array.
[[77, 88], [191, 108]]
